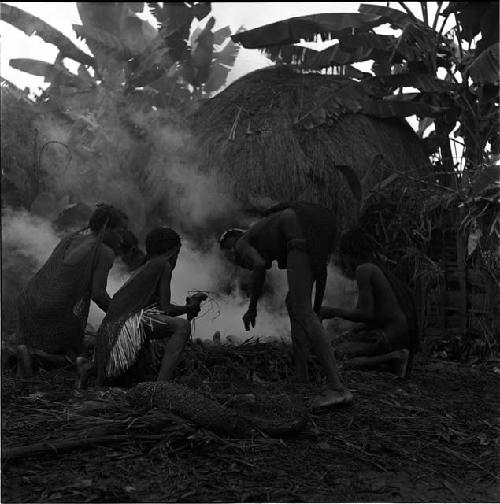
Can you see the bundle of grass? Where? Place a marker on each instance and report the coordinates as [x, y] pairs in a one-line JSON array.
[[284, 135], [275, 415]]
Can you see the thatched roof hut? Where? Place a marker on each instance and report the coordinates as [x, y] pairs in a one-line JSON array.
[[280, 134]]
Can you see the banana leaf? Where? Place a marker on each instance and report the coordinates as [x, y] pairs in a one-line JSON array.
[[217, 77], [85, 76], [48, 71], [30, 25], [387, 15], [486, 183], [423, 82], [157, 12], [336, 56], [382, 43], [469, 15], [393, 108], [152, 64], [137, 34], [227, 55], [176, 18], [105, 40], [291, 54], [293, 30], [221, 35], [106, 16], [485, 68]]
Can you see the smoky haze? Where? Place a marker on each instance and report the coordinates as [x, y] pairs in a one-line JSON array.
[[155, 180]]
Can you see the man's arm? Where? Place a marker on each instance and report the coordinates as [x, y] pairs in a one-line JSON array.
[[99, 294], [364, 311], [258, 265], [165, 297]]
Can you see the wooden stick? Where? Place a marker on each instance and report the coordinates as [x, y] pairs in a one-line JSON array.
[[56, 447], [367, 456]]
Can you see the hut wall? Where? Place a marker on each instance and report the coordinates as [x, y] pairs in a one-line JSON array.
[[466, 301]]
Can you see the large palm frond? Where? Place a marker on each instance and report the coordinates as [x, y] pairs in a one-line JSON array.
[[31, 25]]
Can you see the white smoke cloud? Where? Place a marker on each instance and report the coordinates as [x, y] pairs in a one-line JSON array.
[[162, 186], [28, 235], [208, 271]]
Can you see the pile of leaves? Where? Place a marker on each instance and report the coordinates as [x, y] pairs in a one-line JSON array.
[[400, 440]]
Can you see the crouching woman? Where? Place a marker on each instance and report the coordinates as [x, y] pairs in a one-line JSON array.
[[54, 306], [140, 314]]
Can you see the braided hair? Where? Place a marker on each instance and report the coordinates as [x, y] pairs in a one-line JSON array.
[[106, 216]]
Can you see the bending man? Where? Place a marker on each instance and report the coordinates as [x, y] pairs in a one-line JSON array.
[[53, 308], [385, 306], [142, 311], [299, 236]]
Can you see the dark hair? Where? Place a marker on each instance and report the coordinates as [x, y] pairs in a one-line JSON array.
[[129, 240], [357, 243], [230, 233], [161, 240], [106, 215]]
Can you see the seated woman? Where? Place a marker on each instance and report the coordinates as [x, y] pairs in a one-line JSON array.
[[388, 338], [142, 312], [54, 306]]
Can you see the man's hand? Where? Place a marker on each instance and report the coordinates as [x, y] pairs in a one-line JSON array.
[[249, 318]]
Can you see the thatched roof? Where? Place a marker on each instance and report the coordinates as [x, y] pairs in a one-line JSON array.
[[280, 134]]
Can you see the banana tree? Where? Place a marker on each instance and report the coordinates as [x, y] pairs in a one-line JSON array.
[[133, 78], [128, 52], [456, 87]]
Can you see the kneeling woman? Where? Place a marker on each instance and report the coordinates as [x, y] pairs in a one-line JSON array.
[[140, 312]]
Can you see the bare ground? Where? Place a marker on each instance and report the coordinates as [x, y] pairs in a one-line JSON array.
[[432, 438]]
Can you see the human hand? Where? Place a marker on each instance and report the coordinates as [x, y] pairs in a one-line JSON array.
[[193, 304], [192, 310], [249, 318]]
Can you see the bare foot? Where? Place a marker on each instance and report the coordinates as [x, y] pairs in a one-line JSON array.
[[24, 362], [84, 368], [332, 398], [357, 363], [396, 362]]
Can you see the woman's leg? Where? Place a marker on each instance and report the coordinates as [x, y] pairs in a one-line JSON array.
[[177, 331]]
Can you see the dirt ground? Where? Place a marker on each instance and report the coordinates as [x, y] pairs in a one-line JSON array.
[[432, 438]]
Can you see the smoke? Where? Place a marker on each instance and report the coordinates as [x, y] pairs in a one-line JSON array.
[[209, 272], [27, 241], [27, 235], [147, 165]]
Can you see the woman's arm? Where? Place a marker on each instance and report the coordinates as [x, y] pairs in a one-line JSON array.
[[99, 294], [364, 311], [165, 295]]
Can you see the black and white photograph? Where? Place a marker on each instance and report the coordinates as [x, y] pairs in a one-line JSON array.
[[250, 252]]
